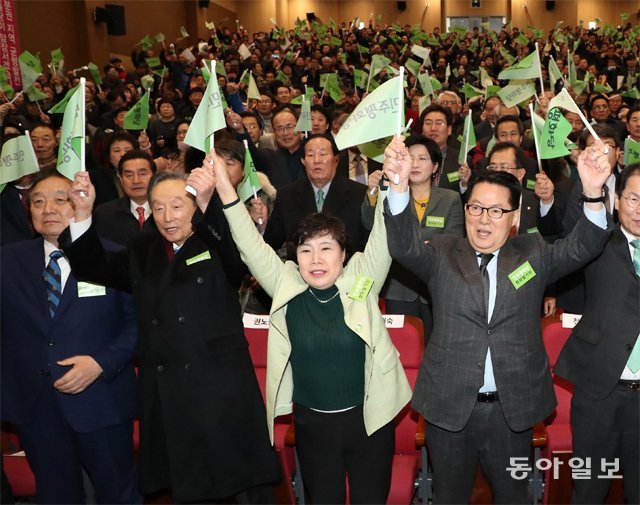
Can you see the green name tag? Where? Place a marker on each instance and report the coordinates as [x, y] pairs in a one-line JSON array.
[[87, 289], [531, 184], [435, 222], [521, 275], [453, 176], [361, 288], [533, 230], [200, 257]]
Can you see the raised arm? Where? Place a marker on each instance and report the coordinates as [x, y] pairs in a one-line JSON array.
[[263, 262]]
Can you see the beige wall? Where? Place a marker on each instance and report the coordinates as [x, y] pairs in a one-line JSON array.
[[68, 24]]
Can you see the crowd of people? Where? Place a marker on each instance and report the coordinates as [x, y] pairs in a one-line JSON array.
[[139, 272]]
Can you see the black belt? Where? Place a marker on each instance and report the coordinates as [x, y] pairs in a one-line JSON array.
[[635, 385], [488, 397]]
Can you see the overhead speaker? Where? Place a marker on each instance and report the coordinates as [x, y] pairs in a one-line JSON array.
[[550, 5], [311, 17], [402, 6], [203, 4], [115, 20]]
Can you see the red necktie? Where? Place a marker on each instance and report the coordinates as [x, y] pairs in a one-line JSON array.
[[140, 211]]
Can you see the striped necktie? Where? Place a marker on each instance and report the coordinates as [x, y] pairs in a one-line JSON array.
[[53, 281]]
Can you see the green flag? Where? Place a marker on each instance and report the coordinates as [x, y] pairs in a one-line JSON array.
[[62, 104], [423, 103], [468, 139], [507, 56], [491, 91], [95, 73], [374, 150], [208, 119], [631, 93], [250, 184], [522, 39], [304, 121], [556, 129], [564, 101], [363, 49], [554, 73], [471, 91], [573, 76], [282, 77], [138, 117], [18, 159], [432, 41], [323, 80], [428, 83], [375, 117], [412, 66], [378, 63], [154, 62], [514, 94], [34, 94], [359, 78], [71, 137], [4, 82], [601, 88], [220, 68], [333, 87], [631, 152], [159, 37], [56, 57], [147, 42], [30, 69], [252, 91], [527, 68]]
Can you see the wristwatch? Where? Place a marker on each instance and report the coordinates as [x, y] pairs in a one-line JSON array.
[[598, 199]]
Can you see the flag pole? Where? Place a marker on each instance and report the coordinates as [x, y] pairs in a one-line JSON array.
[[83, 144], [535, 138], [396, 179], [540, 71], [466, 137], [255, 194]]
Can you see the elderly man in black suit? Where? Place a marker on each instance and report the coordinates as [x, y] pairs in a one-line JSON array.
[[320, 191], [602, 356], [485, 379], [203, 428], [121, 220]]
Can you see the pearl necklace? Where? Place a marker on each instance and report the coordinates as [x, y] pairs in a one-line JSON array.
[[324, 301]]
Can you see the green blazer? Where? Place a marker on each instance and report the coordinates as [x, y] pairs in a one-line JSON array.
[[387, 390], [442, 215]]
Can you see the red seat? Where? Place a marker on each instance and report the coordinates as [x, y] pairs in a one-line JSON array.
[[554, 337], [409, 340], [16, 466], [258, 340]]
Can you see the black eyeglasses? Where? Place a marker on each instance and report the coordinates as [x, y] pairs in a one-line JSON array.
[[492, 212]]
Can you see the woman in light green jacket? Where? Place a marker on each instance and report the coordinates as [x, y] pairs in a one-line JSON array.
[[330, 359]]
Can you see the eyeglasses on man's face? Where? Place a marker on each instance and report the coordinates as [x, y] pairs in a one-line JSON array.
[[285, 128], [501, 167], [493, 212], [633, 200]]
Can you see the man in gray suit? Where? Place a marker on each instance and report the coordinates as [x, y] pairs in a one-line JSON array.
[[485, 380]]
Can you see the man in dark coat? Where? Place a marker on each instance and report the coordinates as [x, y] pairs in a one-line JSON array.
[[203, 430]]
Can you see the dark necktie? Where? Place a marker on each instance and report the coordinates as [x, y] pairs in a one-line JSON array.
[[53, 281], [486, 283], [360, 169], [140, 211]]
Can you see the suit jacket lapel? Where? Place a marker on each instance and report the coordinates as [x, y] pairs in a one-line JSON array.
[[468, 264], [305, 197], [508, 261], [33, 273], [620, 247], [337, 195]]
